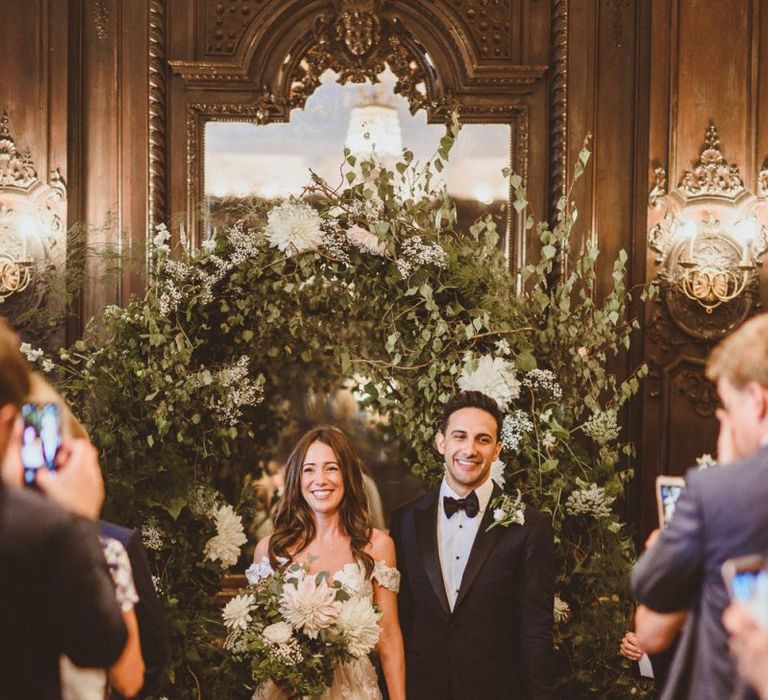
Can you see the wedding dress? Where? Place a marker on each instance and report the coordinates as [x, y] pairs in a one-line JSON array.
[[355, 680]]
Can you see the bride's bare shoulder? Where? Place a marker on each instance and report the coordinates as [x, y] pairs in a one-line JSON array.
[[262, 548], [381, 547]]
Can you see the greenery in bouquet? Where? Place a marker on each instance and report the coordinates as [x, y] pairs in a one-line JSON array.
[[295, 628], [370, 281]]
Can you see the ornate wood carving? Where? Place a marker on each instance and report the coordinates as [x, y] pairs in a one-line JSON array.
[[17, 171], [712, 175], [157, 209], [700, 392], [226, 21], [101, 18], [489, 25], [762, 180], [354, 24]]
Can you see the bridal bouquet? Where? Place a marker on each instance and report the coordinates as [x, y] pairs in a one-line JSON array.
[[296, 628]]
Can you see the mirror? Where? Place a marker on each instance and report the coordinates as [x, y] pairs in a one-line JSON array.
[[272, 161]]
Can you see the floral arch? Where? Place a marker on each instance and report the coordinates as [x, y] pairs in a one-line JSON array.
[[183, 388]]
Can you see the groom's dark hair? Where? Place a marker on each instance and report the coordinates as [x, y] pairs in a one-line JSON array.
[[472, 399]]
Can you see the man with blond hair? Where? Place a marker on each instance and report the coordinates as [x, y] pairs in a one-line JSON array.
[[722, 514], [56, 594]]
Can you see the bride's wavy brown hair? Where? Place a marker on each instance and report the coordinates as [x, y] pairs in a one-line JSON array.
[[293, 519]]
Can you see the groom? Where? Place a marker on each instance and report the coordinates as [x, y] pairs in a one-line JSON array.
[[475, 605]]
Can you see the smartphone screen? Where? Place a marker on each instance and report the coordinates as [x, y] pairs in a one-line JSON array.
[[40, 439], [669, 497], [668, 492]]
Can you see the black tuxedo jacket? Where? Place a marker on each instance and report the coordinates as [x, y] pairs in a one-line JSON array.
[[496, 644], [153, 629], [56, 596]]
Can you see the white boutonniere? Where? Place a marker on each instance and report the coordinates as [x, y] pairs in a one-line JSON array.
[[507, 510]]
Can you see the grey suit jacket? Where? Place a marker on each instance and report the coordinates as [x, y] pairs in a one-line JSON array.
[[722, 514]]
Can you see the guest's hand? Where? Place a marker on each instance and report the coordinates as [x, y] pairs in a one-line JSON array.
[[77, 485], [629, 647], [726, 445], [749, 644], [652, 538], [11, 469]]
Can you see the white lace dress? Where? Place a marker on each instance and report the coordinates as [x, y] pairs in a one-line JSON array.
[[355, 680]]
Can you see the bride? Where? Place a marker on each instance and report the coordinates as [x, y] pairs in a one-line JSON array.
[[322, 521]]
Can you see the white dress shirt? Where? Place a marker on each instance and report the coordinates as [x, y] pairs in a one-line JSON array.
[[456, 535]]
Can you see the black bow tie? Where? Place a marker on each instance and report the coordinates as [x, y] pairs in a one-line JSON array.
[[470, 505]]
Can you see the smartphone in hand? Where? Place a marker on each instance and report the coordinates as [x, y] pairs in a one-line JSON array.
[[747, 581], [40, 438], [668, 491]]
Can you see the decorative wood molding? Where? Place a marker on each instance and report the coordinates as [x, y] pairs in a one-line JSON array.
[[617, 20], [158, 96], [101, 19], [558, 105]]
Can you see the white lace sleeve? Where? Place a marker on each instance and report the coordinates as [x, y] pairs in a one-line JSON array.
[[387, 576], [122, 574]]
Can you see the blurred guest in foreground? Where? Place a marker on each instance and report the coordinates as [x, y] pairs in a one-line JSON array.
[[722, 514], [56, 594], [749, 644]]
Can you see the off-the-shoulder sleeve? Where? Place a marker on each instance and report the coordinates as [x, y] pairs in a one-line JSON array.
[[387, 576]]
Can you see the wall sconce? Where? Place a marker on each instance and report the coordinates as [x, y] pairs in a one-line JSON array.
[[710, 234], [30, 226], [713, 264], [16, 268]]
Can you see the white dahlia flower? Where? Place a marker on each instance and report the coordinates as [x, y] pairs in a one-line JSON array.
[[310, 606], [359, 625], [294, 227], [237, 612], [225, 544], [493, 377], [562, 610]]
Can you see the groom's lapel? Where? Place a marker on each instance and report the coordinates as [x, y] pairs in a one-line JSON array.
[[426, 532], [482, 546]]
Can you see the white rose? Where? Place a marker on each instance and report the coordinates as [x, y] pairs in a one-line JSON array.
[[278, 633], [498, 514]]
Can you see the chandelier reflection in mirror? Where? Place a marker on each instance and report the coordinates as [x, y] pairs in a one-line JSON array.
[[273, 160], [713, 264]]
